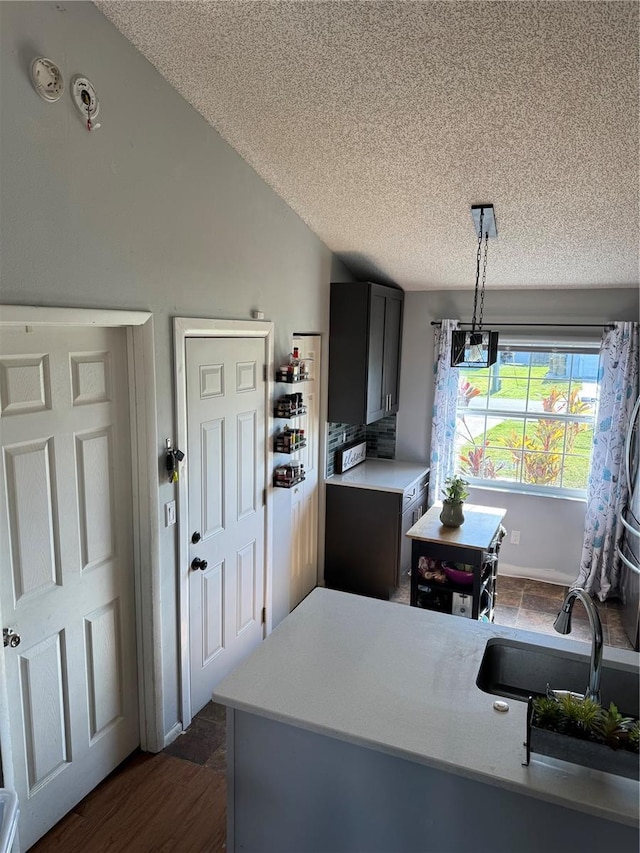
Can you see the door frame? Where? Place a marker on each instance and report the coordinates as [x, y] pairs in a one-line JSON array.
[[146, 544], [196, 327]]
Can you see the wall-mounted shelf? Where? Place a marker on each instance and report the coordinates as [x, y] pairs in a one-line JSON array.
[[290, 378], [285, 445], [290, 406], [287, 476]]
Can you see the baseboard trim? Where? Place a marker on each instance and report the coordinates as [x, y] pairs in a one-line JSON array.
[[172, 734], [544, 575]]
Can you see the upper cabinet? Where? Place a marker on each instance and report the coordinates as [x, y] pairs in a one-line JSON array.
[[364, 351]]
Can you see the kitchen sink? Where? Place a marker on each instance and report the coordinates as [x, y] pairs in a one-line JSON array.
[[518, 670]]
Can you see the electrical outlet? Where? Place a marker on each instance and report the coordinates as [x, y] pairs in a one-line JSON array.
[[169, 513], [515, 537]]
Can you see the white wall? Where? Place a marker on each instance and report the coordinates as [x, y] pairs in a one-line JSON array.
[[152, 211], [550, 528]]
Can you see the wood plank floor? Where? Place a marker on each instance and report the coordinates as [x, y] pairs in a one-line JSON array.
[[172, 801]]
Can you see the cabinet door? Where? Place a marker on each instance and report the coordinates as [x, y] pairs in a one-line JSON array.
[[409, 517], [362, 540], [376, 391], [364, 352], [392, 344]]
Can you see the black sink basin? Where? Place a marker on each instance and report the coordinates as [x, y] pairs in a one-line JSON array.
[[518, 670]]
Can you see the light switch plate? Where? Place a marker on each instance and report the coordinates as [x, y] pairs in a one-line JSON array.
[[169, 513]]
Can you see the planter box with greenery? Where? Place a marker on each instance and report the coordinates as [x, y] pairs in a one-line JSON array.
[[581, 731]]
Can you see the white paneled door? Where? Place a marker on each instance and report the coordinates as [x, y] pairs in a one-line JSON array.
[[226, 456], [66, 572]]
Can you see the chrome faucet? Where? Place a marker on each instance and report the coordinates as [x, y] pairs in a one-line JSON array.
[[563, 626]]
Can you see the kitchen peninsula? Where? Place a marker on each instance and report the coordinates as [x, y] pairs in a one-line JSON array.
[[358, 725]]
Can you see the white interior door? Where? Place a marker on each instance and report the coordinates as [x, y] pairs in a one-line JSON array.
[[304, 503], [226, 441], [66, 571]]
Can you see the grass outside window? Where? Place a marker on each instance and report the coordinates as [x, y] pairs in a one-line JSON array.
[[528, 420]]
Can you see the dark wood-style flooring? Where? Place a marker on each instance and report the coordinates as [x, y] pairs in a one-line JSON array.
[[172, 801], [175, 801]]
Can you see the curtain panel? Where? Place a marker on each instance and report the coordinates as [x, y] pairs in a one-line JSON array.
[[445, 399], [607, 489]]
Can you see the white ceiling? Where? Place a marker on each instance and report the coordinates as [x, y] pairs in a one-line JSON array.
[[381, 123]]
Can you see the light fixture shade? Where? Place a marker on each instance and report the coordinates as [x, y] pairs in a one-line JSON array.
[[473, 349]]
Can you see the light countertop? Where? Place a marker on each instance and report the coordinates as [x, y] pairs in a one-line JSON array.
[[387, 475], [477, 531], [401, 680]]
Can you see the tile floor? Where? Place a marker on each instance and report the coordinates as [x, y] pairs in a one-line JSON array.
[[533, 606], [204, 742]]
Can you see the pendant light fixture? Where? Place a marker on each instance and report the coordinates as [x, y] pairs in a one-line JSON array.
[[477, 347]]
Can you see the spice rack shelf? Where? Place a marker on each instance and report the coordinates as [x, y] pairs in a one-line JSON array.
[[289, 406], [283, 482], [289, 414], [290, 379], [286, 446]]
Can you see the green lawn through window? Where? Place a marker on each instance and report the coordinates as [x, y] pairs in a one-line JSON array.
[[532, 447]]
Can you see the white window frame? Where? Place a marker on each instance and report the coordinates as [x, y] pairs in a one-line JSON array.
[[590, 347]]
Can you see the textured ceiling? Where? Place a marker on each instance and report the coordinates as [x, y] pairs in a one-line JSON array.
[[381, 123]]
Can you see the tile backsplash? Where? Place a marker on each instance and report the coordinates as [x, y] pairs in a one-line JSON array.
[[380, 437]]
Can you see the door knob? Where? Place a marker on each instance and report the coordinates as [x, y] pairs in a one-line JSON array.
[[195, 536], [10, 638], [197, 563]]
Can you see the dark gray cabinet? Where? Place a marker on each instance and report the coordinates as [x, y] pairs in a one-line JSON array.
[[365, 550], [364, 351]]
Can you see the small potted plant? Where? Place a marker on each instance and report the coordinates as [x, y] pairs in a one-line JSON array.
[[454, 492], [581, 731]]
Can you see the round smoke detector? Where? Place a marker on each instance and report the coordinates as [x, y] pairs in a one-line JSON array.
[[85, 98], [47, 79]]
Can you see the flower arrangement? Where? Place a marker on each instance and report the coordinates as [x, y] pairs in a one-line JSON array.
[[455, 490]]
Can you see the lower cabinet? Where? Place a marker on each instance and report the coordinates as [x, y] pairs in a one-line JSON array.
[[365, 547]]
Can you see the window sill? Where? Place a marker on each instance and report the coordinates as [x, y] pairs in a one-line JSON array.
[[528, 493]]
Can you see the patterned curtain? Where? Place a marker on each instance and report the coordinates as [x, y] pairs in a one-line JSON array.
[[445, 397], [607, 489]]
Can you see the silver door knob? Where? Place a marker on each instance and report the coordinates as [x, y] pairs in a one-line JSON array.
[[10, 638]]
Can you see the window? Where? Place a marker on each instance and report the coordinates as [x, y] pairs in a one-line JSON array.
[[527, 421]]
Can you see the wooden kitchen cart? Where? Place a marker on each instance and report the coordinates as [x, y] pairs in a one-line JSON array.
[[442, 558]]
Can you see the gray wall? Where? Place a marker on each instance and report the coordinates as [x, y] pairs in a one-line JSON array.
[[152, 211], [550, 528]]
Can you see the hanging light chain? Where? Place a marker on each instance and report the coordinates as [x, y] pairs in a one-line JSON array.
[[484, 276], [478, 258]]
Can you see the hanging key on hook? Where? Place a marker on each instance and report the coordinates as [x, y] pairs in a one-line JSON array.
[[173, 458]]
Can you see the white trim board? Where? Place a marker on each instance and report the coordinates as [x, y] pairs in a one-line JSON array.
[[544, 575], [198, 327], [141, 359]]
